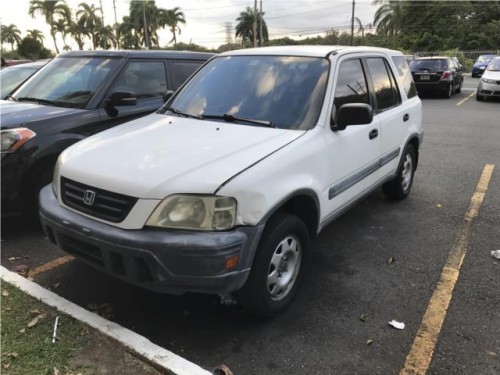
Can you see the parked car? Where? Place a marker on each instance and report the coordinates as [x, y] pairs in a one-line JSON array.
[[437, 74], [221, 189], [409, 58], [75, 95], [489, 84], [481, 64], [13, 76]]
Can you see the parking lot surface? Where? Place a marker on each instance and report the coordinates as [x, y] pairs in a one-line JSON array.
[[379, 262]]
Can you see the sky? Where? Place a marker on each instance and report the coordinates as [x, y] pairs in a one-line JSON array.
[[206, 20]]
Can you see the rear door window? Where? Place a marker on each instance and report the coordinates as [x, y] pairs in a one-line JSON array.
[[386, 92], [181, 71], [147, 79]]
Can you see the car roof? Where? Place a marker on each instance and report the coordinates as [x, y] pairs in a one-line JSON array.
[[307, 50], [433, 58], [36, 64], [140, 54]]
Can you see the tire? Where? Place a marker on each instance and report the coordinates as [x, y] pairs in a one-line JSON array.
[[449, 91], [277, 268], [399, 188], [40, 180], [459, 88], [479, 98]]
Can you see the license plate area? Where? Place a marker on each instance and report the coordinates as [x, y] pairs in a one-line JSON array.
[[425, 77]]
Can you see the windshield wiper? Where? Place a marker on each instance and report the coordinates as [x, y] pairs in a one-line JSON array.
[[10, 97], [230, 118], [37, 100], [180, 113]]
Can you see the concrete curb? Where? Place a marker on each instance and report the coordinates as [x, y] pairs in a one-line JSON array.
[[156, 355]]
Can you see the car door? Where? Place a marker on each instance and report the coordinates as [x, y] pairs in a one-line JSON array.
[[148, 80], [353, 153], [389, 111]]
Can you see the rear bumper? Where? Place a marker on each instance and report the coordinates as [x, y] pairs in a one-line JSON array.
[[433, 86], [168, 261]]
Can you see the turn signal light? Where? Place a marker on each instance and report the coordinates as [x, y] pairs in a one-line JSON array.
[[231, 262]]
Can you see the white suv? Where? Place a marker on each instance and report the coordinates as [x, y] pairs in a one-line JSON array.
[[221, 189]]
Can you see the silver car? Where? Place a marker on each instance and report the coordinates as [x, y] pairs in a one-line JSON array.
[[489, 83]]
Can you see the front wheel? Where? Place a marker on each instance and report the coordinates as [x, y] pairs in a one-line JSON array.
[[479, 98], [399, 188], [277, 268]]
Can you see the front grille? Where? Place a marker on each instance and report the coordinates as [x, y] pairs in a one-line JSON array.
[[96, 202]]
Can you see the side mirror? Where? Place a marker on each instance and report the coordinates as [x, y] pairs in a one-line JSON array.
[[352, 114], [167, 95], [121, 98]]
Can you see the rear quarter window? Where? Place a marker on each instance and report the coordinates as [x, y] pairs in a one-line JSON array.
[[404, 74]]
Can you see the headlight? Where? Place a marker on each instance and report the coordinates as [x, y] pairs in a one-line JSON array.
[[486, 80], [12, 139], [206, 213], [482, 67], [56, 178]]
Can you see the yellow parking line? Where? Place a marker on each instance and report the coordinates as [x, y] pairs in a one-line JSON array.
[[51, 265], [419, 358], [467, 98]]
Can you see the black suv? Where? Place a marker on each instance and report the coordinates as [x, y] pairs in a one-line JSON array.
[[438, 74], [78, 94]]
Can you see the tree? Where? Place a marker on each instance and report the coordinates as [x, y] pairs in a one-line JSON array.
[[51, 10], [88, 19], [78, 31], [36, 35], [174, 17], [33, 49], [389, 17], [361, 27], [107, 37], [11, 35], [62, 27], [244, 28]]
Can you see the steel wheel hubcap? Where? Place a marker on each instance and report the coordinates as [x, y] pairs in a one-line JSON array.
[[407, 172], [284, 268]]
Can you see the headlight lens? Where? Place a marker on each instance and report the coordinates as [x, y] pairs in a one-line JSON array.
[[486, 80], [206, 213], [12, 139]]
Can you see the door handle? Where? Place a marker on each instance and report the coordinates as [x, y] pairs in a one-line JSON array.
[[373, 134], [406, 117]]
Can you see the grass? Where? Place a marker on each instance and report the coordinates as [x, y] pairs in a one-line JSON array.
[[29, 350], [27, 327]]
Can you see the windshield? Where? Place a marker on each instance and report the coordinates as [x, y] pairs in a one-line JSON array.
[[67, 82], [494, 65], [284, 91], [431, 64], [485, 58], [10, 78]]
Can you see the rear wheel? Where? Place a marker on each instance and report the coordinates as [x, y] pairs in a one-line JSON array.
[[277, 268], [449, 90], [399, 188], [459, 88]]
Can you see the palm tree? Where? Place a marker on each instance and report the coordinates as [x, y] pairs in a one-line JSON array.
[[389, 16], [51, 10], [62, 26], [361, 28], [90, 21], [174, 17], [78, 32], [11, 35], [107, 37], [138, 10], [244, 28], [36, 35]]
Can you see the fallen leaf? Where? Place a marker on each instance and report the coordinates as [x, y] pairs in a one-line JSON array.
[[396, 324], [22, 330], [391, 260], [363, 318], [8, 308], [439, 205], [55, 286], [12, 354], [369, 342], [35, 321], [5, 293], [21, 269], [489, 352], [6, 365], [56, 371], [35, 312], [14, 258]]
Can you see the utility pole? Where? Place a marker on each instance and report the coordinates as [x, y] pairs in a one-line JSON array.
[[116, 26], [260, 25], [255, 23], [146, 36], [352, 22], [229, 33], [102, 12]]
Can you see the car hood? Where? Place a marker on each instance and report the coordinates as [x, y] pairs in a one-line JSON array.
[[492, 75], [14, 114], [158, 155]]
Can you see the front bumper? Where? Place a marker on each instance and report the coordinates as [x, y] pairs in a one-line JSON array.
[[488, 89], [168, 261]]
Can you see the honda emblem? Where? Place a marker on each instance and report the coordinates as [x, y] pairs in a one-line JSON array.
[[88, 197]]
